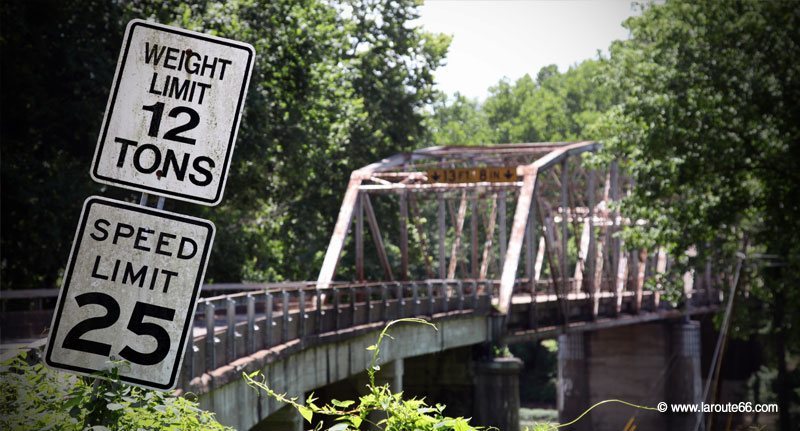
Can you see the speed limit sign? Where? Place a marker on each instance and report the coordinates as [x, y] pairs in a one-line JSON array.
[[129, 292]]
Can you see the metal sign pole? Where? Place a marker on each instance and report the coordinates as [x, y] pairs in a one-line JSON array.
[[113, 236]]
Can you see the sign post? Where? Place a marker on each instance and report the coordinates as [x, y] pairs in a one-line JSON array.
[[134, 273], [129, 292], [173, 113]]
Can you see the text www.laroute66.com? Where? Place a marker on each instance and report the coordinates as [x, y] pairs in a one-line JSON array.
[[742, 407]]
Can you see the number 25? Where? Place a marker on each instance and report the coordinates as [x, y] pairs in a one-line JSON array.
[[136, 324]]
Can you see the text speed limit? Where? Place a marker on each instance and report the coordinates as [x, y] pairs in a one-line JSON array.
[[129, 292]]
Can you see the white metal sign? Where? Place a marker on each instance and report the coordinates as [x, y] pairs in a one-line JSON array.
[[173, 113], [129, 292]]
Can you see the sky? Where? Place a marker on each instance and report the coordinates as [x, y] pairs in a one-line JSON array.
[[509, 38]]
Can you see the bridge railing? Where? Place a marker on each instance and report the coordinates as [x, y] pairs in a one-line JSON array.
[[282, 320], [541, 306], [25, 314]]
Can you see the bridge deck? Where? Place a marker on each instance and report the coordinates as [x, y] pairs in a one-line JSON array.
[[287, 319]]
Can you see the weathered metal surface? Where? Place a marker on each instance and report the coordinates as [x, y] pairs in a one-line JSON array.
[[487, 245], [555, 199], [442, 232], [472, 175], [339, 233], [503, 232], [130, 290], [377, 239], [345, 217], [462, 213], [423, 237], [360, 238], [403, 236], [518, 228], [173, 113]]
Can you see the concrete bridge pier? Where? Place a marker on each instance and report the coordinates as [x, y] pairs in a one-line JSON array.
[[573, 380], [685, 381], [497, 393], [642, 364], [486, 390]]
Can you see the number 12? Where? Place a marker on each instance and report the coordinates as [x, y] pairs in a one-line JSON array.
[[173, 134]]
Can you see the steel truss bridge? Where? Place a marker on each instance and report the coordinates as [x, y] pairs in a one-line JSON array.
[[447, 249], [535, 255]]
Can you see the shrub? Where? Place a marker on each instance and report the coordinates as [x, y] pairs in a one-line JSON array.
[[34, 397]]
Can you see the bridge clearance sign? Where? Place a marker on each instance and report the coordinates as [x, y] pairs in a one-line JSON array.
[[134, 273], [173, 113]]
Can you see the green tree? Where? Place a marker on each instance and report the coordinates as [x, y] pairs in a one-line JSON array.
[[459, 121], [554, 107], [55, 68], [336, 85], [709, 126]]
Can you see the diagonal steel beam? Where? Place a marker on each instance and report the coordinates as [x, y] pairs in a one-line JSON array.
[[529, 176], [345, 217], [375, 231]]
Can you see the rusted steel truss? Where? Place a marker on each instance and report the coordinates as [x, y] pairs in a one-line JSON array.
[[564, 226]]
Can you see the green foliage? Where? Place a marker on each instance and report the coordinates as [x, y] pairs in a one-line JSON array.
[[33, 397], [554, 107], [55, 69], [709, 129], [336, 85], [459, 122], [707, 124], [501, 352], [397, 414], [701, 106]]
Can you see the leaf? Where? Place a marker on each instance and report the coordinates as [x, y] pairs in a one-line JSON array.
[[461, 425], [339, 427], [305, 412], [72, 402], [372, 347], [355, 420], [342, 404], [114, 406]]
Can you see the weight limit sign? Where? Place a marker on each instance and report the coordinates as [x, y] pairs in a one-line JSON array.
[[129, 292], [173, 113]]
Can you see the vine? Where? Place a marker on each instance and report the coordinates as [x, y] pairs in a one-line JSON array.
[[395, 413]]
